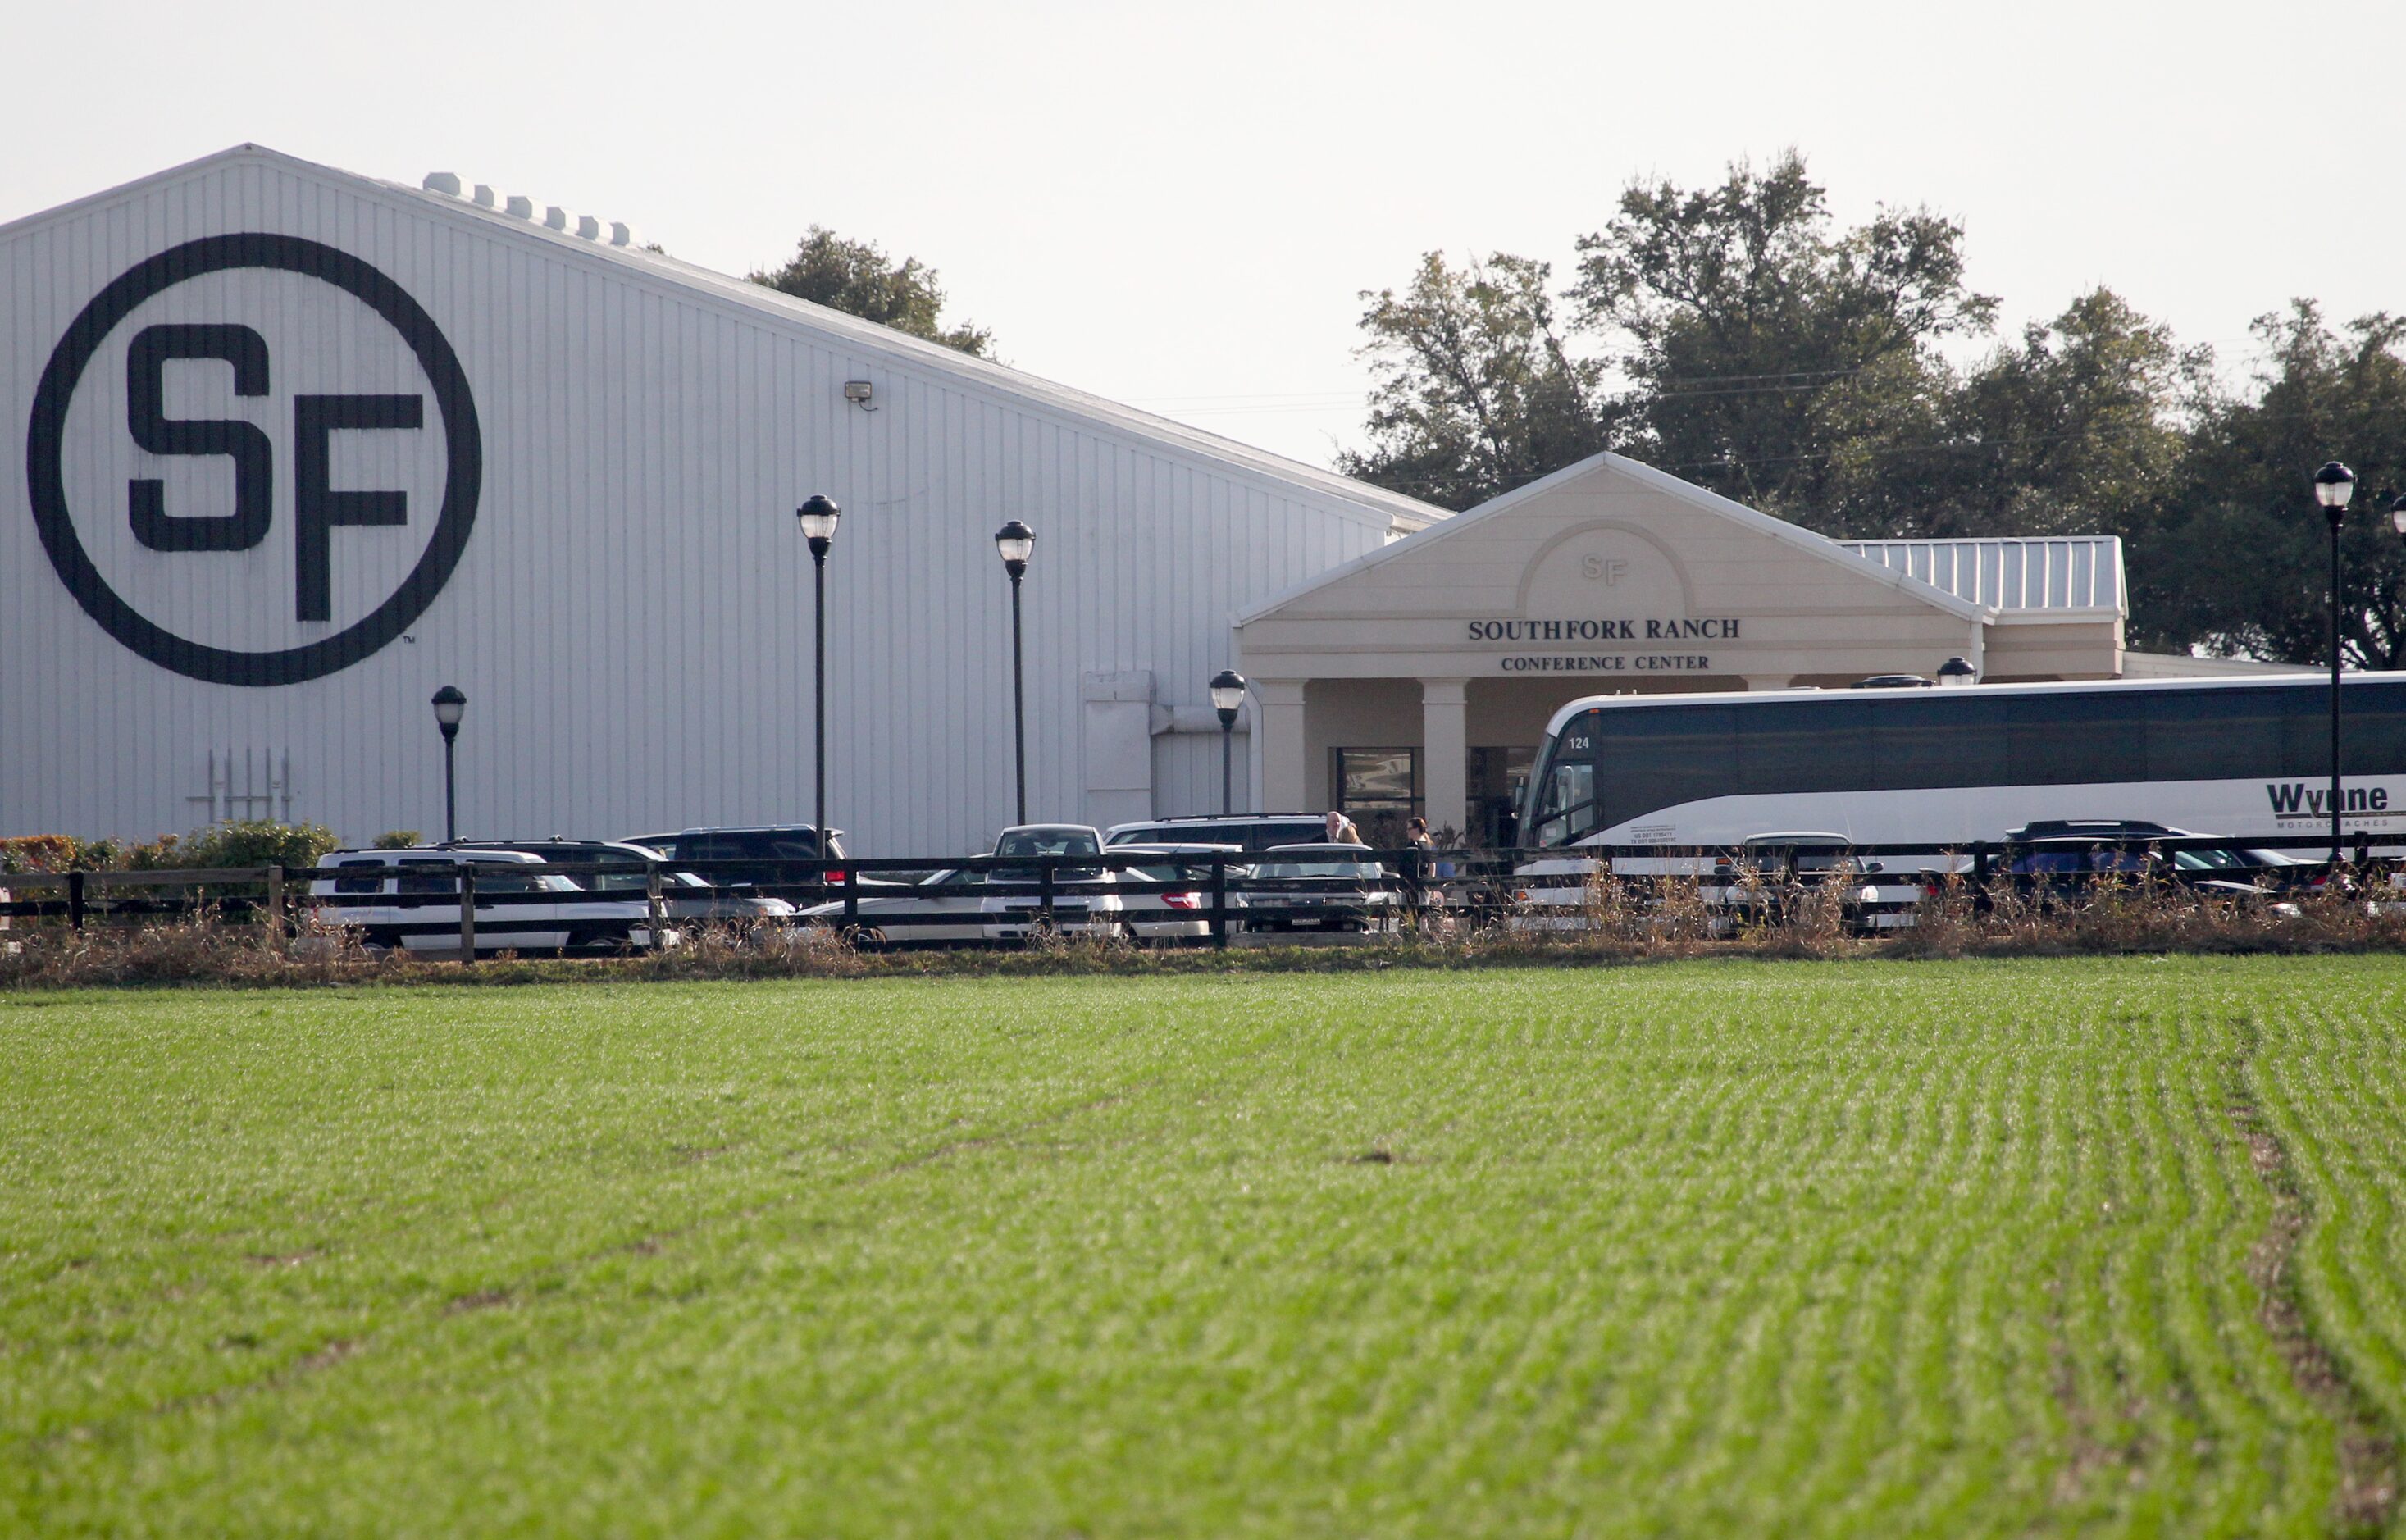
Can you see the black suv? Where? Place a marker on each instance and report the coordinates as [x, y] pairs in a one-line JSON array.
[[780, 858]]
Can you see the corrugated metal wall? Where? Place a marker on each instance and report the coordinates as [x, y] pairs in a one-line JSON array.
[[630, 619], [1186, 774]]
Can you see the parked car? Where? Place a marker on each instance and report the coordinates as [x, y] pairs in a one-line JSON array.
[[683, 895], [2093, 828], [1321, 888], [1083, 903], [1249, 830], [781, 858], [410, 898], [1773, 869], [1179, 916], [944, 907], [2057, 866]]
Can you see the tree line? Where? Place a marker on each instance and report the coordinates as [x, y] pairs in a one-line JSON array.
[[1739, 337]]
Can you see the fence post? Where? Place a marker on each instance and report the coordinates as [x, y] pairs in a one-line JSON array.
[[1412, 893], [74, 902], [652, 901], [1220, 901], [851, 897], [1980, 872], [1044, 891], [467, 913], [276, 905]]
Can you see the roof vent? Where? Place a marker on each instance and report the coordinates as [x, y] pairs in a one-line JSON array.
[[620, 234], [588, 227], [520, 207], [445, 182], [484, 196]]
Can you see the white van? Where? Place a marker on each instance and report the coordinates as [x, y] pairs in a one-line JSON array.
[[410, 898]]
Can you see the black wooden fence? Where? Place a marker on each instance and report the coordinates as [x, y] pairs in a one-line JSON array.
[[1213, 898]]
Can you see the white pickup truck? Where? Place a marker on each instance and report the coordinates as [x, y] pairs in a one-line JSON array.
[[410, 899]]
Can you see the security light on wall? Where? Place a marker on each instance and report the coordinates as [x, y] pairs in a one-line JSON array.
[[858, 393]]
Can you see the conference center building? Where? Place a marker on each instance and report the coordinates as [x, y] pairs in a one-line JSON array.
[[302, 447]]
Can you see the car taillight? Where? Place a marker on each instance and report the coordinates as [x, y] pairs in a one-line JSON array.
[[836, 878], [1181, 901]]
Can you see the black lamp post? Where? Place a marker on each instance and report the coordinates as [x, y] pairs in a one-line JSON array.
[[1227, 694], [1014, 541], [819, 517], [2334, 484], [1956, 672], [449, 706]]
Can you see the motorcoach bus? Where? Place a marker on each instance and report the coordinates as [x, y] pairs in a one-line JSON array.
[[2243, 758]]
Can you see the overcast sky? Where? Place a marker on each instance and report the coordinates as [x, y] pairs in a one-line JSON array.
[[1177, 207]]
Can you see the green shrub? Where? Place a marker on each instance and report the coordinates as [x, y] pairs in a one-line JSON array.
[[255, 842], [399, 838], [41, 853]]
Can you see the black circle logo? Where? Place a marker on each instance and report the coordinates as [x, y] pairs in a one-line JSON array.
[[45, 480]]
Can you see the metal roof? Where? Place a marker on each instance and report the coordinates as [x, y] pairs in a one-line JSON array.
[[2068, 572], [1366, 501]]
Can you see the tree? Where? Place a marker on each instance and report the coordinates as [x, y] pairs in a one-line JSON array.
[[2074, 430], [858, 278], [1765, 346], [2241, 563], [1477, 390]]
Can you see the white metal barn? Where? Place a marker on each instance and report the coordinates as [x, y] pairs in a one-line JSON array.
[[301, 446]]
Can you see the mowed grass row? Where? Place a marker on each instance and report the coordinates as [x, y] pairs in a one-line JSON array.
[[1833, 1248]]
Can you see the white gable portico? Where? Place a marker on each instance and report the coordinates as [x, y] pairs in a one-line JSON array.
[[1420, 676]]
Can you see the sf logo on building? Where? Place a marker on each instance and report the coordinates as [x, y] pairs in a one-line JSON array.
[[254, 459]]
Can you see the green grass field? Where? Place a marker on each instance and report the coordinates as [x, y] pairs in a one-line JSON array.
[[2113, 1247]]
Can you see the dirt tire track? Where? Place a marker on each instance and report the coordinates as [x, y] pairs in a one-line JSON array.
[[2367, 1499]]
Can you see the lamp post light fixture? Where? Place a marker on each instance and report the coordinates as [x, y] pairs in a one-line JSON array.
[[1227, 696], [2334, 484], [1957, 672], [449, 706], [1015, 543], [819, 517]]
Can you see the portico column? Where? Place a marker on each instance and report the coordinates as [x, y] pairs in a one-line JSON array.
[[1445, 752], [1278, 740], [1767, 681]]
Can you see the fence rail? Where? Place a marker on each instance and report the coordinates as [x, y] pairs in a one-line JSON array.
[[1214, 897]]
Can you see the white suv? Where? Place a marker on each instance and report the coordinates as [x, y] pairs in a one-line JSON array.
[[410, 898]]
